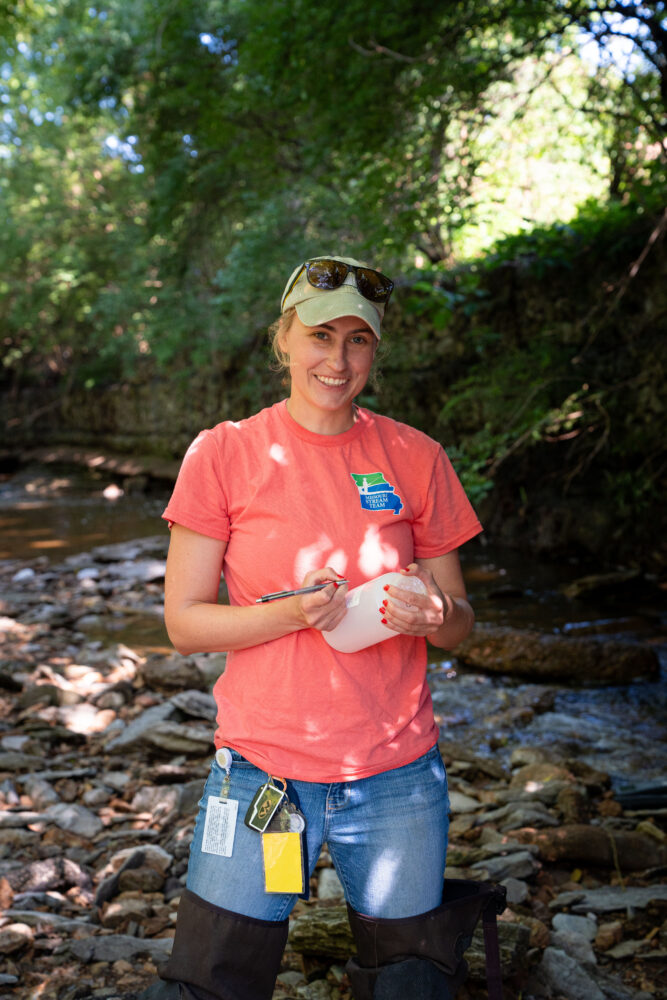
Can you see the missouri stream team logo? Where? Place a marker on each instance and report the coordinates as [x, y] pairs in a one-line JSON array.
[[376, 493]]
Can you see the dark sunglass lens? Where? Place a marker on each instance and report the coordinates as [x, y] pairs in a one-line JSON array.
[[327, 274], [373, 285]]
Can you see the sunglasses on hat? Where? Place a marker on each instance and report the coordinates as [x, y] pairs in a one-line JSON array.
[[329, 274]]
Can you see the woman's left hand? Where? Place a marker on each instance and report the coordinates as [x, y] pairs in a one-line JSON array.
[[411, 613]]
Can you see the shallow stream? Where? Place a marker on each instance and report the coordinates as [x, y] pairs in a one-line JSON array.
[[49, 513]]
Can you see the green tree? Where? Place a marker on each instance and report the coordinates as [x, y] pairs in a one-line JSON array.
[[232, 133]]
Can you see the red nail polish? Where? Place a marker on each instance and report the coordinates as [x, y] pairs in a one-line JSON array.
[[386, 586], [381, 610], [384, 621]]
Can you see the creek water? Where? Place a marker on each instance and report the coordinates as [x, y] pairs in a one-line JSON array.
[[48, 514]]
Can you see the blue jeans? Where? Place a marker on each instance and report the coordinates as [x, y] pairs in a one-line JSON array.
[[387, 837]]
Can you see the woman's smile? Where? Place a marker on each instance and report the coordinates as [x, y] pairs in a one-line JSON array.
[[335, 382]]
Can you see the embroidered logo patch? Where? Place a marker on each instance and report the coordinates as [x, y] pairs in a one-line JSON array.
[[376, 493]]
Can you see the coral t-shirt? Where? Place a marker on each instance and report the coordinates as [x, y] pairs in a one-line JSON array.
[[286, 501]]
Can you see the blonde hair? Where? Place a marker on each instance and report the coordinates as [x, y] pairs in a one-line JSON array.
[[277, 328]]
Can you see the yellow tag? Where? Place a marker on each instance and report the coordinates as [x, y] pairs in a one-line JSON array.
[[283, 862]]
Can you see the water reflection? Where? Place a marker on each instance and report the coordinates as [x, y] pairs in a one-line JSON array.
[[57, 514]]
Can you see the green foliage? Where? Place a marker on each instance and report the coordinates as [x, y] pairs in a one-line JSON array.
[[559, 385], [164, 163]]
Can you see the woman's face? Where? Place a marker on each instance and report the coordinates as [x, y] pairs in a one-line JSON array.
[[329, 366]]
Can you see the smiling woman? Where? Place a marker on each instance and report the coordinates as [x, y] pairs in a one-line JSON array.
[[311, 493]]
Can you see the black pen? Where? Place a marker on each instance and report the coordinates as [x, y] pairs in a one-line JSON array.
[[302, 590]]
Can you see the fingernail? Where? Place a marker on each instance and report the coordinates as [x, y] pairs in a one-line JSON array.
[[386, 586], [336, 585], [384, 621]]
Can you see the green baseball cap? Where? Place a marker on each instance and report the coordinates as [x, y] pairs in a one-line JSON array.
[[320, 305]]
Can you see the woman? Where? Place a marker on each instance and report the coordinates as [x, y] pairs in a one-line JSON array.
[[277, 502]]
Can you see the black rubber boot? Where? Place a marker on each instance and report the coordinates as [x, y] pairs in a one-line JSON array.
[[220, 955], [420, 957]]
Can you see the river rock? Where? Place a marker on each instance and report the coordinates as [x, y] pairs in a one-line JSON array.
[[75, 819], [329, 885], [140, 570], [564, 976], [594, 845], [113, 877], [14, 819], [610, 899], [543, 782], [168, 673], [135, 731], [157, 799], [322, 930], [574, 935], [586, 660], [596, 582], [608, 935], [175, 737], [150, 854], [460, 803], [143, 879], [517, 815], [13, 937], [39, 918], [196, 704], [518, 865], [41, 793], [138, 861], [47, 874], [517, 891], [15, 761], [112, 947], [127, 906]]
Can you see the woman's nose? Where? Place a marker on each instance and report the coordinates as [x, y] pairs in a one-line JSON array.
[[337, 356]]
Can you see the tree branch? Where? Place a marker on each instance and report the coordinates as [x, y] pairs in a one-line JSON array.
[[380, 50]]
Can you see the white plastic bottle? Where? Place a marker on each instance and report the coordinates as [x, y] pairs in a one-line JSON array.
[[362, 625]]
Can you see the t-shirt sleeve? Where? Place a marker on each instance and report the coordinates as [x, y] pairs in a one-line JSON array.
[[198, 501], [447, 519]]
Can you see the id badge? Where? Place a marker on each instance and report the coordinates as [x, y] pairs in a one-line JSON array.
[[283, 862]]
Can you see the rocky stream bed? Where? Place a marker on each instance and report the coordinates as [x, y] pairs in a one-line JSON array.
[[556, 792]]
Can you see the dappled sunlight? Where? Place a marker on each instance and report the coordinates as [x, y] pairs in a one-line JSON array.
[[112, 492], [85, 719], [375, 555], [382, 874], [49, 543], [277, 453], [314, 556]]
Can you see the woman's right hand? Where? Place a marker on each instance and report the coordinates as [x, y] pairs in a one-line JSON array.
[[198, 624], [323, 609]]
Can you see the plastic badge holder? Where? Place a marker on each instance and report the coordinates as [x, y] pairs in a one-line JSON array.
[[362, 625], [283, 862]]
